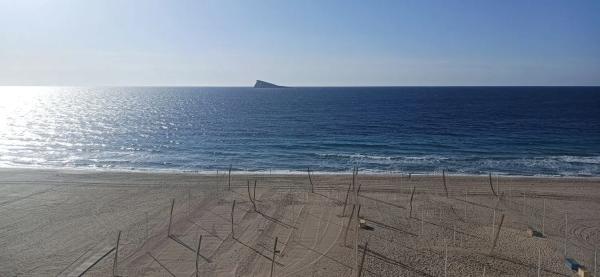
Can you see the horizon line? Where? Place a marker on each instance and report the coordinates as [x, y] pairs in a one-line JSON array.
[[286, 86]]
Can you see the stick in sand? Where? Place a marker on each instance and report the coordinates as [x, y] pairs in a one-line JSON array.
[[444, 179], [114, 269], [346, 201], [354, 173], [312, 187], [254, 191], [362, 260], [171, 217], [198, 255], [229, 178], [491, 186], [273, 261], [412, 195], [250, 196], [493, 223], [466, 192], [357, 224], [348, 225], [497, 234], [232, 210]]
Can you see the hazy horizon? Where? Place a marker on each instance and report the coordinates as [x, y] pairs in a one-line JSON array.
[[308, 43]]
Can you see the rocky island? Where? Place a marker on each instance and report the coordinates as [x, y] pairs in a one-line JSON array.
[[263, 84]]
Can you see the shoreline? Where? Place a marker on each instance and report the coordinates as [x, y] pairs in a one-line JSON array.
[[281, 172]]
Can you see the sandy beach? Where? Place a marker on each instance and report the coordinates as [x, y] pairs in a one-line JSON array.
[[66, 223]]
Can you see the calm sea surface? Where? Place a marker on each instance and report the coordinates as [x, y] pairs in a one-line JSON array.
[[474, 130]]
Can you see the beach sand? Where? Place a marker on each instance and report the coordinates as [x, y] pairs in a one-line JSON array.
[[65, 223]]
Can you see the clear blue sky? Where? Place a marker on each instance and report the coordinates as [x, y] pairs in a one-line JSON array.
[[232, 43]]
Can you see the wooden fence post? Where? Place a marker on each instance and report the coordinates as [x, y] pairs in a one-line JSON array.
[[312, 187], [497, 234], [273, 260], [254, 191], [346, 201], [348, 225], [250, 196], [198, 254], [232, 210], [229, 178], [115, 262], [412, 195], [171, 217], [491, 186], [444, 179], [362, 260]]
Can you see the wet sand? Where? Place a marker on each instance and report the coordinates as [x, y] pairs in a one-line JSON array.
[[65, 223]]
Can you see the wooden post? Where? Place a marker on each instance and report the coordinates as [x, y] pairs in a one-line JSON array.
[[491, 186], [357, 224], [254, 191], [354, 173], [250, 196], [312, 187], [466, 192], [362, 260], [412, 195], [346, 201], [114, 269], [198, 255], [498, 184], [229, 178], [348, 225], [273, 260], [232, 210], [171, 217], [444, 179], [497, 234]]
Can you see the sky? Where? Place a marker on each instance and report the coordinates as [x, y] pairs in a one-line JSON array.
[[299, 43]]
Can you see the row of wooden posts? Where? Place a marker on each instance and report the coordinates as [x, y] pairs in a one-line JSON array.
[[352, 187]]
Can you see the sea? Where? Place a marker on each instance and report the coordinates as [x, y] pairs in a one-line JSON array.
[[529, 131]]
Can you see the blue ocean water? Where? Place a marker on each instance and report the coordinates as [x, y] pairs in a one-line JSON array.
[[465, 130]]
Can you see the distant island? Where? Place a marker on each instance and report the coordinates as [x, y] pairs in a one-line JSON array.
[[263, 84]]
